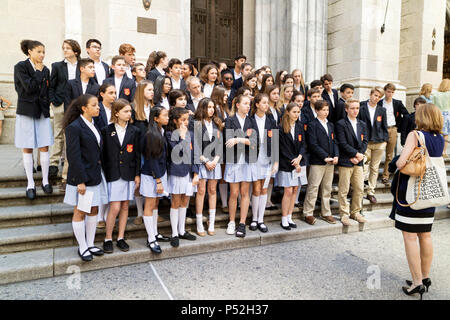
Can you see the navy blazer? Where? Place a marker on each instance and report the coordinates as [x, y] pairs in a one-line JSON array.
[[185, 149], [107, 72], [153, 75], [340, 112], [154, 167], [121, 161], [307, 112], [320, 144], [204, 145], [58, 83], [233, 130], [183, 86], [332, 104], [350, 144], [270, 132], [377, 131], [142, 125], [127, 87], [408, 124], [74, 89], [291, 148], [102, 120], [279, 115], [83, 154], [32, 88], [399, 111]]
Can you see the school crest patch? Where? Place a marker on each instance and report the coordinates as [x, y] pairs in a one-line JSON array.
[[300, 138], [269, 133], [129, 148], [362, 137], [249, 132], [379, 118], [126, 91]]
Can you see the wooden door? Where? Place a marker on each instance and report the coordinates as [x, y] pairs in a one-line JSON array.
[[216, 30]]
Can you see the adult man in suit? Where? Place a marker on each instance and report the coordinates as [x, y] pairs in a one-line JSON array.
[[374, 116], [94, 51], [352, 140], [194, 92], [395, 113], [330, 95]]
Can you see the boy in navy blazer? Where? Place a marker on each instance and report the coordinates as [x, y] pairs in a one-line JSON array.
[[94, 51], [347, 90], [125, 87], [83, 85], [352, 140], [331, 96], [374, 116]]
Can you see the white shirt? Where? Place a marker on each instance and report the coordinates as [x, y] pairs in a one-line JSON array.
[[293, 132], [274, 113], [147, 112], [92, 127], [128, 71], [209, 128], [117, 83], [389, 113], [176, 85], [165, 103], [261, 122], [324, 124], [372, 112], [354, 122], [84, 86], [100, 71], [32, 64], [331, 95], [314, 112], [237, 76], [120, 132], [161, 71], [195, 101], [242, 123], [72, 69], [108, 114], [207, 90]]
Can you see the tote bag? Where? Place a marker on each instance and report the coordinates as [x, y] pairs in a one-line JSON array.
[[432, 190]]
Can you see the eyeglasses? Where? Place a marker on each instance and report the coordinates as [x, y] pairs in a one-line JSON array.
[[227, 78]]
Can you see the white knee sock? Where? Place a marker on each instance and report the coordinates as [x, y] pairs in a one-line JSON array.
[[91, 226], [212, 219], [262, 207], [79, 230], [223, 191], [148, 222], [28, 165], [139, 205], [182, 221], [255, 207], [199, 219], [45, 164], [155, 221], [289, 217], [174, 221], [284, 221], [269, 196]]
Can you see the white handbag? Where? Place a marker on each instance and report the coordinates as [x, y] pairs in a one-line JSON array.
[[431, 190]]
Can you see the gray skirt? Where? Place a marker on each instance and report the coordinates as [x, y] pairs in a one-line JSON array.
[[100, 194], [32, 133], [284, 179], [121, 190], [181, 185], [148, 186], [216, 174], [235, 173]]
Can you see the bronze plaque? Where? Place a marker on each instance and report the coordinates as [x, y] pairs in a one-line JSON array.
[[432, 63], [146, 25]]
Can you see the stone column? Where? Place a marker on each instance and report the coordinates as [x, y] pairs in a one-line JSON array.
[[73, 20]]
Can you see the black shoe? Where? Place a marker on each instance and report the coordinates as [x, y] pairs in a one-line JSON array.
[[48, 189], [83, 257], [53, 171], [240, 231], [39, 168], [188, 236], [253, 226], [419, 289], [98, 252], [285, 228], [122, 245], [154, 246], [293, 225], [175, 242], [31, 193], [108, 246], [262, 227], [426, 282], [272, 208], [160, 237], [34, 170]]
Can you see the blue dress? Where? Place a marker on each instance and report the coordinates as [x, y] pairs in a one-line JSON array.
[[407, 219]]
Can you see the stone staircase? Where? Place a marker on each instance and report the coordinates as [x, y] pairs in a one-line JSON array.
[[36, 238]]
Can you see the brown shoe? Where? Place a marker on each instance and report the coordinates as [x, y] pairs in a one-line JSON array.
[[201, 234], [345, 221], [310, 220], [359, 218], [372, 199], [211, 233], [225, 209], [138, 221], [386, 182], [329, 219], [101, 225]]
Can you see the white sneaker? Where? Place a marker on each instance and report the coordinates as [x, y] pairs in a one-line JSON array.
[[231, 228]]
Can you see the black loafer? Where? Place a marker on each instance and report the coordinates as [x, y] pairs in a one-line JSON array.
[[253, 226], [240, 231], [188, 236], [154, 246], [83, 257], [285, 228], [53, 171], [262, 227], [99, 252], [48, 189], [175, 242], [31, 194], [293, 225], [272, 208], [160, 237], [39, 168], [108, 247], [122, 245]]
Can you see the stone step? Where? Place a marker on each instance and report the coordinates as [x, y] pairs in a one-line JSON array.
[[16, 196], [47, 263]]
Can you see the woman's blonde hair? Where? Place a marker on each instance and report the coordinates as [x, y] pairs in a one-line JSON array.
[[139, 100], [444, 86], [429, 118], [426, 90], [281, 101]]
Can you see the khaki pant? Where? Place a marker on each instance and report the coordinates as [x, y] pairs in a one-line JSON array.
[[390, 147], [374, 153], [58, 134], [319, 176], [353, 176]]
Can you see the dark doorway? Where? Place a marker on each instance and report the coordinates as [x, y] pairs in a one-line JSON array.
[[446, 70], [216, 30]]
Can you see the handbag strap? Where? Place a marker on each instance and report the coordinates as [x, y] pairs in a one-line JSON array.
[[418, 194], [421, 139]]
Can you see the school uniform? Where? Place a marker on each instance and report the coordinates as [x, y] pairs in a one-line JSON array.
[[121, 160], [33, 128], [127, 87], [58, 82], [408, 125], [154, 74], [340, 112], [239, 158], [207, 89], [181, 174], [152, 169], [377, 131], [104, 116], [231, 96], [303, 91], [84, 146], [321, 145], [308, 112], [102, 71], [351, 138], [180, 85], [292, 144], [164, 103], [205, 145], [238, 82], [75, 88], [332, 102], [275, 115]]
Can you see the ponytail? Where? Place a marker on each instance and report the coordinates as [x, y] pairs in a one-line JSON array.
[[26, 45]]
